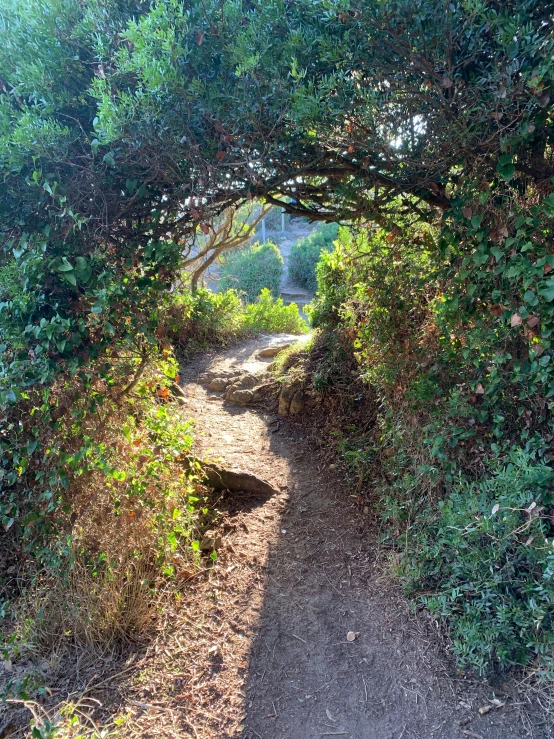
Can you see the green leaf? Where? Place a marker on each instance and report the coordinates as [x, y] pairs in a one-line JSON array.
[[80, 263], [547, 293], [506, 172], [64, 266], [109, 159]]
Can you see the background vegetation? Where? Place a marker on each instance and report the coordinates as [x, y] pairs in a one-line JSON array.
[[251, 269], [306, 253]]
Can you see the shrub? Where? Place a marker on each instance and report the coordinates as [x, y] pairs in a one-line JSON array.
[[306, 253], [251, 269], [486, 555], [269, 314], [210, 318], [462, 469]]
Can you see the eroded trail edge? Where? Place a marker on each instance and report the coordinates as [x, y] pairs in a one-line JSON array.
[[295, 633]]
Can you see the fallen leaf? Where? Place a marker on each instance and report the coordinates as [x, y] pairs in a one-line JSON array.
[[200, 37], [352, 635], [497, 310], [446, 81], [547, 269], [485, 709], [516, 320], [495, 509], [467, 212], [479, 390], [205, 228], [533, 321], [329, 715]]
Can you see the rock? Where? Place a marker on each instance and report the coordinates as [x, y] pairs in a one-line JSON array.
[[297, 403], [177, 391], [238, 395], [285, 399], [210, 541], [272, 351], [219, 384], [206, 377], [220, 478], [246, 381]]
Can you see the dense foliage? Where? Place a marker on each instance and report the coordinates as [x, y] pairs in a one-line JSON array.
[[465, 479], [252, 269], [306, 252]]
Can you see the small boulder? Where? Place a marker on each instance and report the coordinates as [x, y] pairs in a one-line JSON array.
[[272, 351], [246, 381], [219, 384], [285, 399], [297, 403], [238, 395]]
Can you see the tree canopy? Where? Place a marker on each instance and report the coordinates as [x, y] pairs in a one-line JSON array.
[[124, 124], [126, 128]]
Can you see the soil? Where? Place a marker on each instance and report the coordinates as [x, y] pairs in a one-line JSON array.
[[309, 635]]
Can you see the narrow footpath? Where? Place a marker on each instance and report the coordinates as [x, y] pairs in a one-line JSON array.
[[296, 633]]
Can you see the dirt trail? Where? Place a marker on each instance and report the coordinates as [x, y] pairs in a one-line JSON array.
[[290, 292], [296, 573]]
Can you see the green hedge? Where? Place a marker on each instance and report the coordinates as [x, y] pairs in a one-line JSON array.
[[251, 269], [305, 255]]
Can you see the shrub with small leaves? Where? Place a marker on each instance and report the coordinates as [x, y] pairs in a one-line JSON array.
[[251, 269], [306, 253]]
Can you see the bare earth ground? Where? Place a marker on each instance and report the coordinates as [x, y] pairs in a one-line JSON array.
[[296, 573], [256, 646]]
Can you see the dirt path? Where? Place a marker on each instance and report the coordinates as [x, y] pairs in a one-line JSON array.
[[290, 292], [297, 573]]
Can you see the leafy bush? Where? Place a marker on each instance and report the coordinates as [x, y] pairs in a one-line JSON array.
[[465, 482], [196, 321], [252, 269], [306, 253], [269, 314], [484, 559]]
